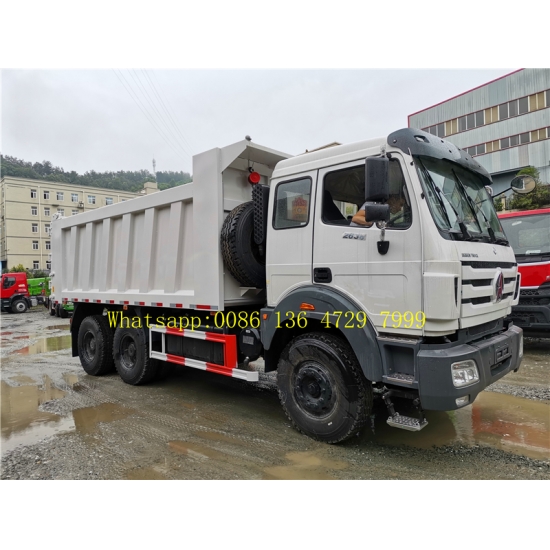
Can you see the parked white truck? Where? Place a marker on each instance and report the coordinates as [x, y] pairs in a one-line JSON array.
[[258, 257]]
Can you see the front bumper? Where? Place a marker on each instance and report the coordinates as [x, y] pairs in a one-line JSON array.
[[531, 317], [495, 357]]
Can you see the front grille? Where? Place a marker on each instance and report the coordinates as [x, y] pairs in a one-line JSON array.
[[485, 327], [478, 282], [528, 302], [484, 299], [486, 282], [489, 265], [529, 293], [475, 301]]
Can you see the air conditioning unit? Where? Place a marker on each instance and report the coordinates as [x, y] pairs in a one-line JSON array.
[[80, 205]]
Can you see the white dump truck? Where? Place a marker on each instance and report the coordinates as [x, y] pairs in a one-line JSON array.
[[377, 268]]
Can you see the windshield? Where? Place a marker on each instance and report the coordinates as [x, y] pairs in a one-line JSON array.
[[528, 235], [458, 201]]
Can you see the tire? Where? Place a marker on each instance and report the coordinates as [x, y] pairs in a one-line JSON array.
[[322, 389], [95, 345], [63, 313], [52, 309], [19, 306], [131, 356], [239, 251]]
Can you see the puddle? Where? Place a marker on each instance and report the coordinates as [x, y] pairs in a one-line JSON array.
[[55, 343], [59, 327], [22, 422], [23, 379], [513, 424], [86, 420], [305, 465], [71, 380]]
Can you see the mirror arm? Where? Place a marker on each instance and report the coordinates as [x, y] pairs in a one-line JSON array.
[[502, 192]]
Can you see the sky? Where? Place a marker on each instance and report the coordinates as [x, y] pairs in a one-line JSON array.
[[120, 119]]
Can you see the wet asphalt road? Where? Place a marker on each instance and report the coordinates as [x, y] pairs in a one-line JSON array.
[[59, 423]]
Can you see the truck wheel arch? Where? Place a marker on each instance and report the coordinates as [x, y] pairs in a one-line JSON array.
[[363, 341]]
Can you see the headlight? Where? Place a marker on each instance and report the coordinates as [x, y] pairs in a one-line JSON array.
[[464, 373]]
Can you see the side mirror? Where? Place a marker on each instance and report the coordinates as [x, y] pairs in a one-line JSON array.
[[523, 185], [377, 212], [377, 184]]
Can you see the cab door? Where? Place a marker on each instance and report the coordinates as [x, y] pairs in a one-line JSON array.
[[348, 257], [290, 235]]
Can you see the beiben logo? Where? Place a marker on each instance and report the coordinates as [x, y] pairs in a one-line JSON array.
[[498, 285]]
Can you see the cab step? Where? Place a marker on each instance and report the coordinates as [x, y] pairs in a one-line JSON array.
[[407, 422], [397, 420]]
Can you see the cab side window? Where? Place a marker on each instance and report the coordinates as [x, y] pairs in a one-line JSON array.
[[292, 204], [343, 195], [9, 281]]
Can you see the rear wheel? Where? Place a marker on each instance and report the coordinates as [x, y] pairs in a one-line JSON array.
[[19, 306], [131, 355], [322, 389], [95, 345]]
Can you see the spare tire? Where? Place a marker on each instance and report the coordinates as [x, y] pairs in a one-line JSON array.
[[241, 254]]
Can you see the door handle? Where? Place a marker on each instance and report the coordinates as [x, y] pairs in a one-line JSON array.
[[322, 275]]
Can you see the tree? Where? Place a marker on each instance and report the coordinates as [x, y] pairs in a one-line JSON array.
[[538, 198], [20, 268], [121, 180]]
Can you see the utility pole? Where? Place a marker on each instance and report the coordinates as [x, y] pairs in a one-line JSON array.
[[155, 168]]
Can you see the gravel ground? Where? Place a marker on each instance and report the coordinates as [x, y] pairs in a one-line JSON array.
[[59, 423]]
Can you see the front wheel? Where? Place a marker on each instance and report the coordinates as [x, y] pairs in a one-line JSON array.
[[322, 389], [19, 306], [95, 344], [131, 355]]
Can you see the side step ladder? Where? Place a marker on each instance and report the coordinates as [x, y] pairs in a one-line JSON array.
[[404, 422]]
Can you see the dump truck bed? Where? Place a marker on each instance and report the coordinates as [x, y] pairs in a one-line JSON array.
[[161, 249]]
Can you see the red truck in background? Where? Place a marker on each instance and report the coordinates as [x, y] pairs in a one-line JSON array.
[[528, 232], [14, 293]]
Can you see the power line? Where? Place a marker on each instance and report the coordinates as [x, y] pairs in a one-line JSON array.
[[156, 109], [165, 108], [144, 111], [151, 118]]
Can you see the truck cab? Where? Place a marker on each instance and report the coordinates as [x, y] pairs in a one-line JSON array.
[[15, 293], [430, 266], [529, 235]]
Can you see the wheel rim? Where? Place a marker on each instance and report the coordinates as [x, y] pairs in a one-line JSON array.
[[128, 353], [89, 346], [20, 306], [314, 390]]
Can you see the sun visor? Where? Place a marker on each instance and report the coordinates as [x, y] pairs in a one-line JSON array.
[[420, 143]]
